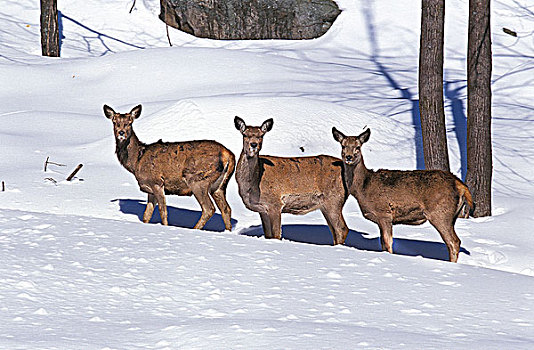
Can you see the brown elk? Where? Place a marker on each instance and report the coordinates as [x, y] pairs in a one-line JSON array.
[[274, 185], [199, 168], [389, 197]]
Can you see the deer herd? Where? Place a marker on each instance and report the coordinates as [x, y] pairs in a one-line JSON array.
[[271, 185]]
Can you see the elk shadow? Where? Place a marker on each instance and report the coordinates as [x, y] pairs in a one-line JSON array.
[[320, 235], [176, 216]]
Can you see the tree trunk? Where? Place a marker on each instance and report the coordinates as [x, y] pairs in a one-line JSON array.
[[479, 65], [431, 85], [49, 28]]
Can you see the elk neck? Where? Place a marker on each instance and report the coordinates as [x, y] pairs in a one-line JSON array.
[[248, 175], [129, 152], [357, 177], [248, 169]]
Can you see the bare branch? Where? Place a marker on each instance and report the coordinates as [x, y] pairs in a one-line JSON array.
[[510, 32], [49, 162], [133, 5], [51, 180], [168, 37], [74, 172]]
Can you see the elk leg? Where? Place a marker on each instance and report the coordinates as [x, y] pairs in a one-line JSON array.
[[447, 233], [201, 194], [159, 194], [276, 223], [386, 235], [266, 224], [149, 210], [219, 196], [337, 225]]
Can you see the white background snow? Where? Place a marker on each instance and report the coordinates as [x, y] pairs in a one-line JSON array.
[[78, 269]]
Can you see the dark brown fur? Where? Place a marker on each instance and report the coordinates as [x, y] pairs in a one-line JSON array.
[[199, 168], [389, 197], [298, 185]]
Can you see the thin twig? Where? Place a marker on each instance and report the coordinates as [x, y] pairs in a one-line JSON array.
[[51, 180], [49, 162], [3, 186], [168, 37], [133, 5], [510, 32], [74, 172]]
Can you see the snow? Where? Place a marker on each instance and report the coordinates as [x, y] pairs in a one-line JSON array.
[[80, 271]]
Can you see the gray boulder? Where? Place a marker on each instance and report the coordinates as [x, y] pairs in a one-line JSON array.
[[250, 19]]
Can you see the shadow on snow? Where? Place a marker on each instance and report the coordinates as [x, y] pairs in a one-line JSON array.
[[176, 216], [320, 235], [101, 37], [310, 234]]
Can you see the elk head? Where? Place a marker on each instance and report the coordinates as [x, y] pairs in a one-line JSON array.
[[351, 145], [252, 135], [122, 122]]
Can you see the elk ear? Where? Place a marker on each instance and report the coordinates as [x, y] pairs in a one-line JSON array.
[[364, 136], [240, 124], [108, 111], [136, 111], [338, 135], [267, 125]]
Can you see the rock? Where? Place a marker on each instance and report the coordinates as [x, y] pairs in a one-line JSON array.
[[250, 19]]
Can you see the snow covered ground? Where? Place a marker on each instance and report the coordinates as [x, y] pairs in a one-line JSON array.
[[80, 271]]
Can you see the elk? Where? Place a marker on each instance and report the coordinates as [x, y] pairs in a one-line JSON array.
[[274, 185], [199, 168], [389, 197]]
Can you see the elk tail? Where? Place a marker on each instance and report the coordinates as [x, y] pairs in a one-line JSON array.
[[228, 159], [465, 204]]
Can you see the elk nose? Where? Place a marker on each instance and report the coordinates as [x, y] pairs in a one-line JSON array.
[[349, 157], [121, 133], [253, 145]]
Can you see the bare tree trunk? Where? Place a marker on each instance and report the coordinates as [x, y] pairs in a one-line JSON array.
[[479, 65], [431, 85], [49, 28]]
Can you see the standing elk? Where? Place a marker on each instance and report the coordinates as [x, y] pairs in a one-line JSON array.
[[274, 185], [389, 197], [201, 168]]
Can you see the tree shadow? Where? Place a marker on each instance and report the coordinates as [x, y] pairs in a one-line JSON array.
[[320, 235], [406, 94], [60, 29], [459, 118], [100, 36], [176, 216]]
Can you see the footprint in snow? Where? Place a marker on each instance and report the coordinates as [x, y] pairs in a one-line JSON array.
[[333, 275], [41, 312], [450, 283], [486, 241]]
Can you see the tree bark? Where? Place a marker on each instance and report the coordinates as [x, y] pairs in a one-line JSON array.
[[479, 66], [49, 28], [431, 85]]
